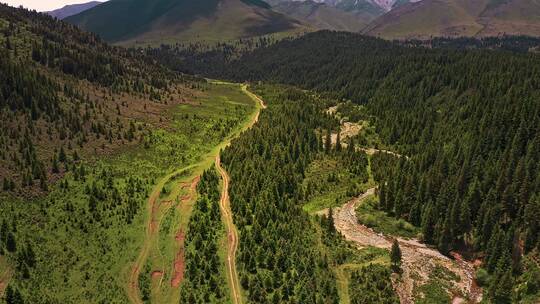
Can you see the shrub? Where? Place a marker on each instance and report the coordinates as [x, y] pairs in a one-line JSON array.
[[368, 220], [482, 277]]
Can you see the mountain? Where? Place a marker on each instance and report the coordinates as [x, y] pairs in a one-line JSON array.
[[141, 22], [454, 18], [357, 5], [344, 15], [323, 16], [70, 10], [50, 71]]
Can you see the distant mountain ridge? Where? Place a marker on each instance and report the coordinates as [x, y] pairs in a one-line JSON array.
[[74, 9], [323, 16], [343, 15], [142, 22], [457, 18], [355, 5], [171, 21]]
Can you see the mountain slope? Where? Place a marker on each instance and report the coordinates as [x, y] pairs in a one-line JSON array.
[[511, 17], [357, 5], [155, 22], [454, 18], [70, 10], [322, 16], [50, 70]]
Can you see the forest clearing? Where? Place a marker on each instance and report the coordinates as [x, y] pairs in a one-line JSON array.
[[177, 198]]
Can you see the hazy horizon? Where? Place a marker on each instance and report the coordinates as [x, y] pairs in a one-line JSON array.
[[42, 6]]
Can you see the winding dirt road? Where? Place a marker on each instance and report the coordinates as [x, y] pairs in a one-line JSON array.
[[153, 209], [232, 234], [225, 206], [419, 261], [152, 231]]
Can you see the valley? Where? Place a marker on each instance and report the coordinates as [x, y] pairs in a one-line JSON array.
[[242, 151], [174, 199]]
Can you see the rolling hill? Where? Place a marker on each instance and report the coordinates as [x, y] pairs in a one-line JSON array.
[[140, 22], [455, 18], [50, 70], [323, 16], [70, 10]]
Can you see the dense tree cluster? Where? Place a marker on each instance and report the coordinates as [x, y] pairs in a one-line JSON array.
[[468, 119], [372, 285], [204, 277], [521, 44], [278, 259], [60, 86], [201, 58]]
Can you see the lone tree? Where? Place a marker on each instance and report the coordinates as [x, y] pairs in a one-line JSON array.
[[395, 257], [331, 224]]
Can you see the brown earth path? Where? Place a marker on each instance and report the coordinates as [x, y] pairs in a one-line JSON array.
[[225, 206], [418, 259], [232, 235], [153, 211], [151, 234], [5, 275], [179, 261]]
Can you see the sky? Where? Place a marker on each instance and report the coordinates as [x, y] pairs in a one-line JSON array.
[[42, 5]]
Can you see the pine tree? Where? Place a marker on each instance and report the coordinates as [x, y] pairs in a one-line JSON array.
[[6, 184], [502, 289], [328, 142], [62, 155], [338, 142], [445, 238], [331, 226], [11, 244], [395, 257], [55, 168], [465, 218]]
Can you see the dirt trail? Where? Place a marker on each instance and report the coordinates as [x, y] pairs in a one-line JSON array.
[[5, 275], [371, 151], [351, 129], [232, 234], [418, 259], [152, 230], [179, 261], [154, 208], [225, 206], [255, 98], [2, 287]]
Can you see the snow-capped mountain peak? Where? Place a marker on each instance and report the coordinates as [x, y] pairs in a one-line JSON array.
[[385, 5]]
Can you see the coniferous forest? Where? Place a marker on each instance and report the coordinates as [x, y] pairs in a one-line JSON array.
[[469, 121], [345, 157], [279, 261]]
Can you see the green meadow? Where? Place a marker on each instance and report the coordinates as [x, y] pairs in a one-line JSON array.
[[88, 232]]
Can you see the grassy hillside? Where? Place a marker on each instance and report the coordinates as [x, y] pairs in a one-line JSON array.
[[138, 22], [70, 10], [322, 16], [63, 91], [428, 18], [454, 18], [511, 17]]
